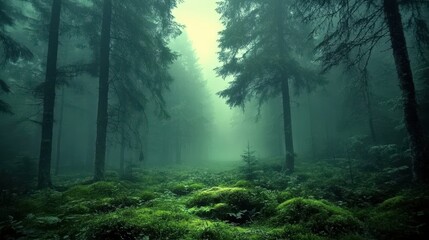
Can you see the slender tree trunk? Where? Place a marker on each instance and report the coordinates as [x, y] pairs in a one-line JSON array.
[[367, 95], [60, 130], [287, 121], [122, 152], [287, 118], [178, 151], [44, 179], [103, 92], [310, 115], [403, 67]]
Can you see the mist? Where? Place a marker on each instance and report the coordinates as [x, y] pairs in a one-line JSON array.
[[201, 119]]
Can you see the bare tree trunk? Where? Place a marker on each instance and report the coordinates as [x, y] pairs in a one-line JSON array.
[[44, 178], [60, 130], [103, 92], [122, 152], [287, 121], [405, 75], [310, 115], [178, 151], [368, 102]]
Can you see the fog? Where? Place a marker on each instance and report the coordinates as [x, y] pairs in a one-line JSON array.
[[202, 24], [193, 104], [214, 119]]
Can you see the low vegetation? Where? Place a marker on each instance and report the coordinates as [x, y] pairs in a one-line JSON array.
[[319, 201]]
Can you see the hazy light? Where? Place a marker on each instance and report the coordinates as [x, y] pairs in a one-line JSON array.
[[202, 25]]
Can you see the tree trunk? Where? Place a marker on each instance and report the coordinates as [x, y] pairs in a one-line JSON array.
[[103, 92], [178, 151], [60, 130], [368, 102], [44, 178], [310, 116], [403, 68], [122, 152], [287, 121]]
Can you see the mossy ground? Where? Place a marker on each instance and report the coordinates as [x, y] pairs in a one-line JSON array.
[[319, 201]]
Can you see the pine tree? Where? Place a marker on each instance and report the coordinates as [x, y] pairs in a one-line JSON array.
[[133, 61], [354, 28], [250, 159], [262, 48], [12, 50], [44, 179]]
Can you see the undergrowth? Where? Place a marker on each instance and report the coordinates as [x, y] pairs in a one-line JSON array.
[[319, 201]]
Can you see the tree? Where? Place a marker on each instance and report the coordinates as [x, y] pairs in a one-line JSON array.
[[249, 158], [12, 50], [44, 177], [100, 146], [260, 48], [188, 104], [353, 30], [133, 60]]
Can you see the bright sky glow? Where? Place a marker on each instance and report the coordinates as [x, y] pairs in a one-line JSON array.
[[202, 24]]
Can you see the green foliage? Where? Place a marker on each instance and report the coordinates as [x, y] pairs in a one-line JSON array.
[[249, 158], [401, 217], [95, 190], [258, 48], [185, 188], [234, 204], [319, 217], [178, 204]]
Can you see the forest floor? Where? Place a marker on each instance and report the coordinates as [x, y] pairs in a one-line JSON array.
[[322, 200]]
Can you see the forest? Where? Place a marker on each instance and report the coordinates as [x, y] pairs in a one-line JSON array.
[[214, 119]]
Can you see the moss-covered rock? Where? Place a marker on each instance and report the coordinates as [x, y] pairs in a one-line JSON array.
[[233, 204], [149, 223], [320, 217], [46, 201], [233, 195], [96, 190], [185, 187], [401, 217]]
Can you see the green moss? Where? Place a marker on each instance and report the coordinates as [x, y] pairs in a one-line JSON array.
[[147, 195], [233, 204], [46, 201], [95, 190], [400, 217], [233, 195], [155, 224], [185, 187], [320, 217], [243, 184]]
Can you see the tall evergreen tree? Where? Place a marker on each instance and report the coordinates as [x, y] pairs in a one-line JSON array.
[[103, 92], [353, 30], [44, 179], [12, 50], [260, 46], [137, 60]]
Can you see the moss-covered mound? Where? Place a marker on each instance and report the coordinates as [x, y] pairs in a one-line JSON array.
[[401, 217], [96, 190], [184, 188], [320, 217], [234, 204]]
